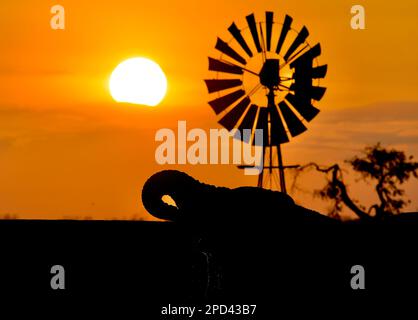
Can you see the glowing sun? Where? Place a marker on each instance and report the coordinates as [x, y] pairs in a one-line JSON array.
[[138, 81]]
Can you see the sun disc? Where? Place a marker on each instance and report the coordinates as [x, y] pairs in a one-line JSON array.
[[138, 81]]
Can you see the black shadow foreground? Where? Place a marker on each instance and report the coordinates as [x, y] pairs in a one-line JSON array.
[[245, 245]]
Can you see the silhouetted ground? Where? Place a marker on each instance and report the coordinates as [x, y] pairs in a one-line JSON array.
[[144, 265], [240, 246]]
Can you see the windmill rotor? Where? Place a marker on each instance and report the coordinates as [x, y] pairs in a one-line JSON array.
[[267, 76]]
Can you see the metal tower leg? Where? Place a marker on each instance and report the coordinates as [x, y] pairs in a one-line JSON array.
[[260, 176], [281, 170]]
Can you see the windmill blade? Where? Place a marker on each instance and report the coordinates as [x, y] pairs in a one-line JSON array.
[[304, 87], [269, 28], [309, 55], [219, 66], [300, 39], [278, 133], [308, 91], [303, 75], [220, 104], [295, 126], [236, 33], [248, 123], [285, 29], [319, 72], [254, 32], [216, 85], [262, 123], [223, 47], [231, 118], [303, 106], [317, 93]]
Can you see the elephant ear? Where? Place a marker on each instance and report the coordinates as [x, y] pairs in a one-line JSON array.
[[175, 184]]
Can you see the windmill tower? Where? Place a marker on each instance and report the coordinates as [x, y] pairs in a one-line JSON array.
[[267, 77]]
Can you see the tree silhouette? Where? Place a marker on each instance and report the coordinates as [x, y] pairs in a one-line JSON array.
[[386, 168]]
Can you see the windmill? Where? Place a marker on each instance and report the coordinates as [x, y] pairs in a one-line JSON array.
[[267, 77]]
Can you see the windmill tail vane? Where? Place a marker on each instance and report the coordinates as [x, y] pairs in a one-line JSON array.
[[267, 77]]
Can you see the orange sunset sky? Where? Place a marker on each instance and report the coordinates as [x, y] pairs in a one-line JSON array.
[[67, 150]]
